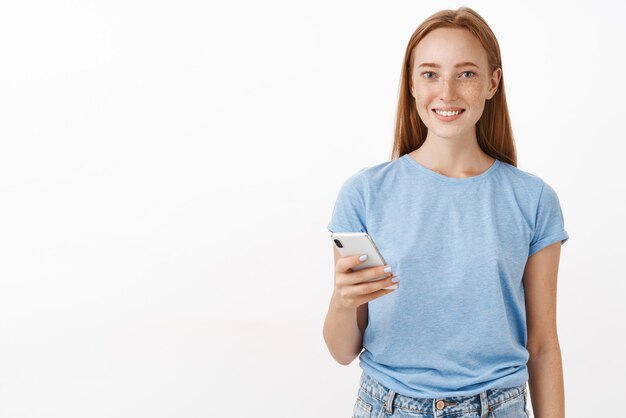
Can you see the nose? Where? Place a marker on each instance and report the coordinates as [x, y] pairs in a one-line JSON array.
[[448, 91]]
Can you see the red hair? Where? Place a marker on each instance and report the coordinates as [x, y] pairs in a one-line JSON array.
[[493, 129]]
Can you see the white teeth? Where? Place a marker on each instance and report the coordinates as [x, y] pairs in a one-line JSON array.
[[447, 112]]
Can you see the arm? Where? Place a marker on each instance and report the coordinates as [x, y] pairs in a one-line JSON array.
[[544, 365], [344, 328]]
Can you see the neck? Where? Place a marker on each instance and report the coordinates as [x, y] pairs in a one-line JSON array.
[[452, 158]]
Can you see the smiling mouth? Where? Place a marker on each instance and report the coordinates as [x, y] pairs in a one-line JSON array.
[[455, 110]]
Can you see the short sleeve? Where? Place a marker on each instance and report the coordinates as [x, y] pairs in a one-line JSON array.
[[348, 214], [549, 222]]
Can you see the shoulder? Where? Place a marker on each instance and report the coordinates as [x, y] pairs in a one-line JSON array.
[[373, 175], [380, 169], [529, 182], [538, 195]]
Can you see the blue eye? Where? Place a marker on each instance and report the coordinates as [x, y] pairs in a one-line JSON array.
[[464, 72]]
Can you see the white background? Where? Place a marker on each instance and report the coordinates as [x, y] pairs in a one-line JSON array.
[[168, 169]]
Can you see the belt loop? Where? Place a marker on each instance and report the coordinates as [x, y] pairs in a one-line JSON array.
[[388, 405], [484, 405]]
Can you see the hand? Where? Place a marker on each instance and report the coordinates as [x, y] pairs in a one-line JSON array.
[[354, 288]]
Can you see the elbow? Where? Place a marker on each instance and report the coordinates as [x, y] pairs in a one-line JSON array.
[[344, 361], [347, 357], [536, 350], [341, 352], [342, 358]]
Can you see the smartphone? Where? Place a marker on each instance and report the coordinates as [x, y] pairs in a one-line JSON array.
[[357, 243]]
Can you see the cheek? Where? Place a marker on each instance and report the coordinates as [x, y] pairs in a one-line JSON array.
[[425, 96], [473, 93], [422, 101]]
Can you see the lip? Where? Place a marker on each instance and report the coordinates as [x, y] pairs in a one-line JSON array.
[[447, 108], [448, 118]]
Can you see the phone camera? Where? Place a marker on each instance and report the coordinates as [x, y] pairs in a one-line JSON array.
[[338, 243]]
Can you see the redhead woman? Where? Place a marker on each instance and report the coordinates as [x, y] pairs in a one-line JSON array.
[[472, 241]]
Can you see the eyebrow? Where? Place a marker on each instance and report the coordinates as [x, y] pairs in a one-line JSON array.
[[460, 64]]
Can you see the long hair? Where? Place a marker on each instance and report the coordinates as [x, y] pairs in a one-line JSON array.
[[493, 129]]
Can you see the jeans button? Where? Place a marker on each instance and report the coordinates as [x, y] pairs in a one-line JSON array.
[[440, 404]]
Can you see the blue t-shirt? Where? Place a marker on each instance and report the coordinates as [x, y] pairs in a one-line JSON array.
[[456, 326]]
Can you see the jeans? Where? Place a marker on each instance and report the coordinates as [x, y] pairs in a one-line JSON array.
[[376, 401]]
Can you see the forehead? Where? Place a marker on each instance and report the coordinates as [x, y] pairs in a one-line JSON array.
[[448, 46]]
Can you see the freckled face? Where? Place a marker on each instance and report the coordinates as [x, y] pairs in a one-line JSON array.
[[466, 87]]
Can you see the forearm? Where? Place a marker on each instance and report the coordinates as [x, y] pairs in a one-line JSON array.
[[545, 371], [342, 334]]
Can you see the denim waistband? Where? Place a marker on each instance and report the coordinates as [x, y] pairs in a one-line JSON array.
[[479, 402]]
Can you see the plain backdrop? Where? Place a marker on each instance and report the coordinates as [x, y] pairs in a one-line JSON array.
[[168, 169]]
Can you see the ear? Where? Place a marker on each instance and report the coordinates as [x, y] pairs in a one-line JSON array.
[[494, 82]]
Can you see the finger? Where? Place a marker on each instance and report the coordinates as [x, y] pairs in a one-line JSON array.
[[370, 273], [344, 264], [374, 295], [373, 286]]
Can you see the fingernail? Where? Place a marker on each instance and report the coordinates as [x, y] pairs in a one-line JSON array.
[[387, 269], [395, 279], [363, 257]]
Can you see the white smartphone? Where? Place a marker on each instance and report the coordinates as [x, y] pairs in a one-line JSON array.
[[357, 243]]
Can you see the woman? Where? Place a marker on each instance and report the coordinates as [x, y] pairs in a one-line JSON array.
[[473, 240]]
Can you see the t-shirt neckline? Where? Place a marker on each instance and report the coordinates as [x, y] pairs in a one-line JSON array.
[[457, 180]]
